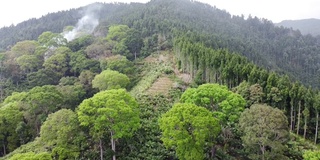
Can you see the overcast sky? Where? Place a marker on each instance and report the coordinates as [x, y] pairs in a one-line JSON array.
[[16, 11]]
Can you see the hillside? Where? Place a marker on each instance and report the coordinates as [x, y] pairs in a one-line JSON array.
[[170, 79], [306, 26], [280, 49]]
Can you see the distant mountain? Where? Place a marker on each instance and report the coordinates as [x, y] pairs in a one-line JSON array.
[[306, 26]]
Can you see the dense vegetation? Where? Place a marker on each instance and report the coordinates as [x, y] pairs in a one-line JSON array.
[[235, 90]]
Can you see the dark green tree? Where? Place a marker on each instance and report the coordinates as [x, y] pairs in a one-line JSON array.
[[265, 132]]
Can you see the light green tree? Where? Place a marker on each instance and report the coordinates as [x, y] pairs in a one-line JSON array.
[[61, 132], [29, 63], [109, 79], [225, 105], [49, 39], [24, 48], [113, 112], [265, 132], [188, 128]]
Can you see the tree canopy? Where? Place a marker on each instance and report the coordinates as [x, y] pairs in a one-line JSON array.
[[112, 112], [265, 131], [109, 79], [188, 129], [224, 104]]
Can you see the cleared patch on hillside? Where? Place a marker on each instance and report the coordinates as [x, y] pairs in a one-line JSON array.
[[161, 86], [162, 57]]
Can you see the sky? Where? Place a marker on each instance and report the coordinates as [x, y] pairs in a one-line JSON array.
[[16, 11]]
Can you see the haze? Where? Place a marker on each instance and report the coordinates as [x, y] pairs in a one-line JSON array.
[[16, 11]]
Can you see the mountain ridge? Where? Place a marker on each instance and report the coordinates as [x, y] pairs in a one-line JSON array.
[[306, 26]]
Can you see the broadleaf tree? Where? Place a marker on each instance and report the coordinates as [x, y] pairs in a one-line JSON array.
[[113, 112], [265, 132], [110, 79], [225, 105], [188, 129]]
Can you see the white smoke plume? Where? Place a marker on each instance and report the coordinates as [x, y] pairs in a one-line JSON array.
[[86, 24]]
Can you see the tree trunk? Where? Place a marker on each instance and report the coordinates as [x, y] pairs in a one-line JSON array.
[[262, 148], [113, 147], [101, 149], [317, 123], [305, 127], [213, 151], [299, 114], [291, 118], [4, 150]]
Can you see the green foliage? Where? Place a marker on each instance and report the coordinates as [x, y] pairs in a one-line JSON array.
[[134, 42], [99, 50], [29, 63], [64, 81], [61, 133], [43, 77], [152, 72], [80, 43], [146, 142], [49, 39], [32, 156], [79, 62], [103, 111], [188, 129], [311, 155], [297, 145], [24, 48], [58, 63], [126, 41], [86, 77], [72, 95], [203, 50], [117, 63], [39, 103], [10, 117], [15, 97], [110, 79], [111, 112], [265, 132], [253, 94], [225, 105]]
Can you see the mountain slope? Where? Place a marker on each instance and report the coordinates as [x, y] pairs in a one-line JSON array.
[[276, 48], [306, 26]]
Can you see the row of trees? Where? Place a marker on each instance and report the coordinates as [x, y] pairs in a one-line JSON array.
[[256, 84]]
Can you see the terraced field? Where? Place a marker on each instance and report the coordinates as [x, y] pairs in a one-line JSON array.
[[161, 86]]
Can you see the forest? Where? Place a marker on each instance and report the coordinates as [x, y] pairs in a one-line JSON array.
[[157, 81]]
